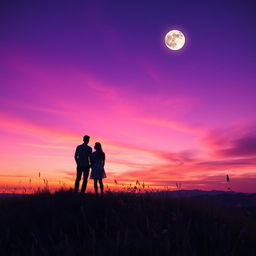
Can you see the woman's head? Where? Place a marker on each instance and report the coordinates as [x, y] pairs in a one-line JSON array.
[[98, 147]]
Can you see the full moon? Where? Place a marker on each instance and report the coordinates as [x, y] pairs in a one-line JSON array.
[[174, 40]]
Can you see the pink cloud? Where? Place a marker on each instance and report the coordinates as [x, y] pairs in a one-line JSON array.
[[239, 141]]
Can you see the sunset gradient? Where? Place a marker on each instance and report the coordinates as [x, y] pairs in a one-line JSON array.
[[71, 68]]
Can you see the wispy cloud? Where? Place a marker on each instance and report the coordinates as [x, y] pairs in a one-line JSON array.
[[146, 136]]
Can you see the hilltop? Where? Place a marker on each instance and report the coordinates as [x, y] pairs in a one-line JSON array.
[[127, 224]]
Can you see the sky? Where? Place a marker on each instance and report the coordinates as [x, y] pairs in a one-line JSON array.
[[101, 68]]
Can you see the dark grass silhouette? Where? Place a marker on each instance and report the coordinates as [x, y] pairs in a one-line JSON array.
[[124, 224]]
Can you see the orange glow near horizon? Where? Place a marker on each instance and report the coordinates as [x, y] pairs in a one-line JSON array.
[[51, 154]]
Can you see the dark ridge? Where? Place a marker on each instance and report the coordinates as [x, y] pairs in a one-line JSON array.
[[125, 224]]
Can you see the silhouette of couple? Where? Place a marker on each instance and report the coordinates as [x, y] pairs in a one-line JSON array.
[[86, 159]]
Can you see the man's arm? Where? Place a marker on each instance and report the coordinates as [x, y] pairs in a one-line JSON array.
[[76, 154], [90, 157]]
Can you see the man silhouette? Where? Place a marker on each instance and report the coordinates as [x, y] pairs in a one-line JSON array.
[[82, 157]]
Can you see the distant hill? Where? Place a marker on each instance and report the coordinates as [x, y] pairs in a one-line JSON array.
[[11, 195], [229, 198]]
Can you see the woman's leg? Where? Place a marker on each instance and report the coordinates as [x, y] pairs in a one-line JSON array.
[[95, 186], [101, 186]]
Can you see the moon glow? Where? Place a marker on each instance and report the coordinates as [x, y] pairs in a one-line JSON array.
[[174, 40]]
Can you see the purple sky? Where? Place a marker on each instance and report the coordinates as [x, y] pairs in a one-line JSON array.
[[69, 68]]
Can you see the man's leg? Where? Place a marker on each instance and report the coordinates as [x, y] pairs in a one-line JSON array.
[[78, 178], [85, 177]]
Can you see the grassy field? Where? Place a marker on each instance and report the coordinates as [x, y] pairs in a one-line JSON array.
[[124, 224]]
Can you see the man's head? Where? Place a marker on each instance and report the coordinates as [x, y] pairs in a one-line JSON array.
[[86, 139]]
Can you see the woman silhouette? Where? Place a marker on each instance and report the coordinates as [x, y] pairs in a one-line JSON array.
[[97, 164]]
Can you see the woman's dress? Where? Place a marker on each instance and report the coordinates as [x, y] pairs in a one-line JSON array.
[[97, 163]]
